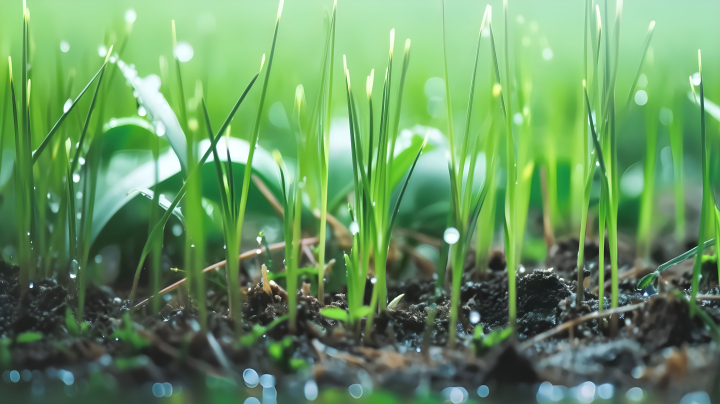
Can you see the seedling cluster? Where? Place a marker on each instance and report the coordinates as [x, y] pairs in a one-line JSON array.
[[381, 171]]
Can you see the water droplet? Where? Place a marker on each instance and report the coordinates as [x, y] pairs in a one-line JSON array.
[[67, 105], [184, 51], [79, 195], [81, 160], [354, 228], [64, 46], [606, 391], [483, 391], [259, 239], [251, 378], [311, 390], [74, 268], [258, 251], [159, 128], [666, 116], [355, 390], [696, 78], [547, 54], [79, 216], [142, 111], [373, 280], [130, 16], [474, 317], [76, 178], [32, 284], [267, 381], [102, 51], [634, 394], [518, 119], [641, 97], [451, 235]]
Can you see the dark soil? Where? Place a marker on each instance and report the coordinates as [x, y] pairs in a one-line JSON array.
[[660, 347]]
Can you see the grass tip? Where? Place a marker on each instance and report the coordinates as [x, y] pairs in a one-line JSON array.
[[299, 95], [369, 85], [598, 17], [652, 26], [584, 84], [262, 63], [407, 46], [174, 35], [68, 148], [278, 157], [10, 68], [280, 9], [700, 63], [107, 57], [392, 41]]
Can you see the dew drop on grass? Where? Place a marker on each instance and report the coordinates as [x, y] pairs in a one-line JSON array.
[[102, 51], [451, 235], [64, 46], [696, 79], [177, 230], [641, 97], [547, 54], [79, 195], [142, 111], [67, 105], [130, 16], [474, 317], [74, 268], [81, 160], [159, 128], [76, 178], [354, 228], [518, 119], [184, 51]]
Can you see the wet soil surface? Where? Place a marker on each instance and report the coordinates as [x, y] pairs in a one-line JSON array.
[[661, 346]]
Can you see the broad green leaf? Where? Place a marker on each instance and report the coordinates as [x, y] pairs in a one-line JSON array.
[[163, 202], [335, 313], [159, 112]]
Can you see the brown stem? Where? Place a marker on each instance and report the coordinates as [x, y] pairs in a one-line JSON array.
[[248, 254]]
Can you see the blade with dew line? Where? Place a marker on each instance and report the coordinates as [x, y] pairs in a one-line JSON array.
[[48, 138], [646, 45]]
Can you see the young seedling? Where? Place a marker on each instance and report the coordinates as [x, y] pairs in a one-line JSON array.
[[466, 203], [708, 207], [324, 143], [373, 211]]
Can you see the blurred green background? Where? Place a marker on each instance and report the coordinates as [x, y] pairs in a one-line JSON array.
[[229, 37]]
